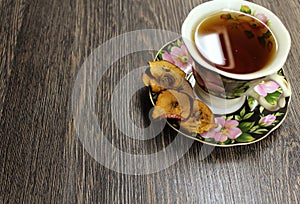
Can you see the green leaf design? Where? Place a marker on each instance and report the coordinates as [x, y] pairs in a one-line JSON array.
[[254, 128], [245, 9], [242, 113], [261, 109], [154, 96], [159, 56], [246, 126], [280, 72], [248, 115], [251, 102], [169, 48], [261, 131], [230, 117], [273, 97], [175, 125], [178, 43], [278, 114], [237, 117], [226, 142], [239, 92], [199, 137], [210, 140], [245, 137]]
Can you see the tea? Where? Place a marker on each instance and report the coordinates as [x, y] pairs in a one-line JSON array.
[[235, 42]]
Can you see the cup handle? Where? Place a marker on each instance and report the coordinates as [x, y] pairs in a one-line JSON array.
[[286, 92]]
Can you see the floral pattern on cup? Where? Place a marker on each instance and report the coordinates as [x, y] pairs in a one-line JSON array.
[[270, 90], [262, 17], [219, 86], [264, 88], [178, 55], [267, 120]]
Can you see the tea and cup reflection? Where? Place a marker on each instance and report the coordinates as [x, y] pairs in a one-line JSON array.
[[235, 42], [235, 45]]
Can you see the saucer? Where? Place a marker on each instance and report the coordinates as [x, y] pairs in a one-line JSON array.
[[250, 124]]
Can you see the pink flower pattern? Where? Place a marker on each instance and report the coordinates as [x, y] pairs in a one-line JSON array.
[[267, 120], [266, 87], [227, 129], [262, 17], [180, 57]]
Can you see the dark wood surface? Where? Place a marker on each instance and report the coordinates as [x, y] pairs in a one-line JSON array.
[[43, 45]]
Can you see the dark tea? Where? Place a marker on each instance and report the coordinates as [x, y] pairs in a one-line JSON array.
[[235, 42]]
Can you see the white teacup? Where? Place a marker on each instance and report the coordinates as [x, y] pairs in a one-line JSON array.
[[226, 91]]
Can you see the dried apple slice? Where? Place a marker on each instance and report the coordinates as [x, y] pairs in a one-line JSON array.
[[201, 119], [168, 65], [166, 75], [187, 89], [176, 99], [172, 104], [167, 78], [152, 83]]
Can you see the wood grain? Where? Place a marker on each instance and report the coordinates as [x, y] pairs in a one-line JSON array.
[[43, 45]]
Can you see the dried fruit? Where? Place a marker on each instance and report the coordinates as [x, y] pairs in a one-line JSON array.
[[167, 65], [172, 104], [201, 119], [176, 99], [164, 75]]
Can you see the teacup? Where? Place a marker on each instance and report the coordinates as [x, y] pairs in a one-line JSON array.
[[223, 90]]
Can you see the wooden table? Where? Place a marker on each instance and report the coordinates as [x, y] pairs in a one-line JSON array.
[[44, 45]]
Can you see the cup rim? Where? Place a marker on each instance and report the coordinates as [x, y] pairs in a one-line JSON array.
[[201, 11]]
